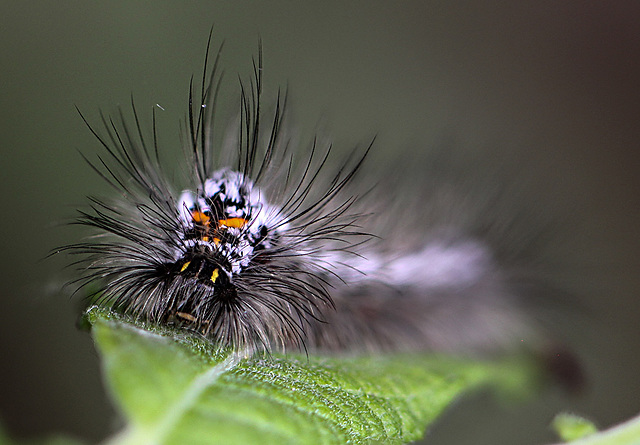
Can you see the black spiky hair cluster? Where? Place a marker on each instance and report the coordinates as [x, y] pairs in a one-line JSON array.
[[242, 256]]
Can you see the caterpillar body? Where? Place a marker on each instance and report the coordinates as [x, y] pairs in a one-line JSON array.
[[265, 249]]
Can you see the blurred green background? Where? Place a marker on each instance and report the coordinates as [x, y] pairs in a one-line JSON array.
[[555, 83]]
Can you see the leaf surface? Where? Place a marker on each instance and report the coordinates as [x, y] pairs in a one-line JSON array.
[[626, 433], [175, 388]]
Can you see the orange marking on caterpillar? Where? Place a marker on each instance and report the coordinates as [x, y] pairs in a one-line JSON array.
[[232, 222], [200, 218]]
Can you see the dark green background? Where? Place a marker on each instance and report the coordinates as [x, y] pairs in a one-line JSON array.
[[554, 83]]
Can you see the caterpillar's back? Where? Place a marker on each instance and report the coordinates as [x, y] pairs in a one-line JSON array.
[[267, 248]]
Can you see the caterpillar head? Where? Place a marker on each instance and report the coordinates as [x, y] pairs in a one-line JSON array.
[[224, 226]]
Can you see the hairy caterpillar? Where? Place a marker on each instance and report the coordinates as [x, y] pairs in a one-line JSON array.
[[263, 250]]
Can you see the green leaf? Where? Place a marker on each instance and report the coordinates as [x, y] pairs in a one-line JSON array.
[[174, 388], [572, 427], [627, 433]]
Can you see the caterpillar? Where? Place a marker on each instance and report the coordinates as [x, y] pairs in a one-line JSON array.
[[265, 248]]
